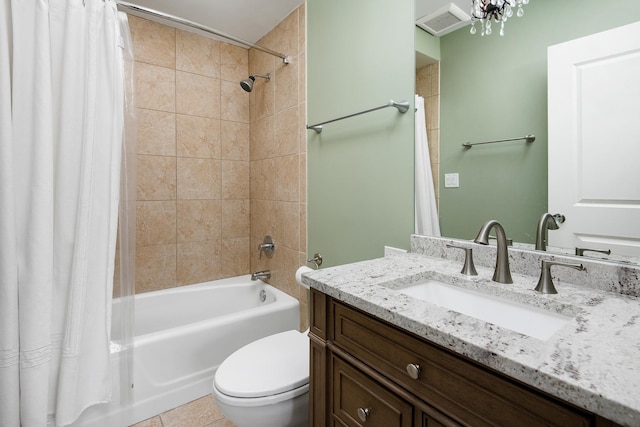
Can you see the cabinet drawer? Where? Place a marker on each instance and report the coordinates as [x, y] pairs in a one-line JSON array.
[[462, 389], [355, 395]]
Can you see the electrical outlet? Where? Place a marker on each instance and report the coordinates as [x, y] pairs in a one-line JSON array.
[[452, 180]]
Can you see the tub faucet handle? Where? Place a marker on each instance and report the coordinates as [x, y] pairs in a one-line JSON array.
[[267, 246]]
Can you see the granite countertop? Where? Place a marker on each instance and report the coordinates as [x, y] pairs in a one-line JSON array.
[[592, 362]]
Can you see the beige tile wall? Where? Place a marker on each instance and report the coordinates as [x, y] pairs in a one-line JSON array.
[[278, 155], [428, 87], [219, 168], [193, 158]]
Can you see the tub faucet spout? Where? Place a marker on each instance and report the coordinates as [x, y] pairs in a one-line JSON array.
[[265, 274], [502, 274]]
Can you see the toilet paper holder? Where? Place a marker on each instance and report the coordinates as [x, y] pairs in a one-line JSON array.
[[317, 259]]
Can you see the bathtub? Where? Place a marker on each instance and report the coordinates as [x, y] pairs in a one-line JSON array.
[[183, 334]]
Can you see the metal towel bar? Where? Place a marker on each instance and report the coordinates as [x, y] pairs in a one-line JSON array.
[[528, 138], [402, 106]]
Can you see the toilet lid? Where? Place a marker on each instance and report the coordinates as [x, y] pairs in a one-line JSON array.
[[268, 366]]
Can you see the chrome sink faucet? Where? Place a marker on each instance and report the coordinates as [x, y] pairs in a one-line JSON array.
[[545, 282], [546, 222], [265, 274], [501, 274]]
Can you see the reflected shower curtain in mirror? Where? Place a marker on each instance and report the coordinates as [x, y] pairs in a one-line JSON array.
[[426, 214], [61, 118]]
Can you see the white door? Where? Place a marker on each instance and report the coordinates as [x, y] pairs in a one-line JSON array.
[[594, 141]]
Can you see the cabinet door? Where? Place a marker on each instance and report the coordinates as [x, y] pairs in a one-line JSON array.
[[429, 417], [430, 422], [317, 383], [359, 401]]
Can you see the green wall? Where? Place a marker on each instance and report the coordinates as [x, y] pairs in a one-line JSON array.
[[360, 54], [495, 87], [427, 44]]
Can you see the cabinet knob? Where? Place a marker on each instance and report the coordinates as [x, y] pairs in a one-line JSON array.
[[413, 370], [363, 414]]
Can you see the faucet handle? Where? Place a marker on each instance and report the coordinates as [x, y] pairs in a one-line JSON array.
[[581, 251], [545, 282], [267, 246], [468, 268]]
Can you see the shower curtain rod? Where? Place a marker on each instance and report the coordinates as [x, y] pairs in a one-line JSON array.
[[285, 58]]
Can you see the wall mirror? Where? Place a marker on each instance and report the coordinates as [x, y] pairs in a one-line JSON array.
[[494, 88]]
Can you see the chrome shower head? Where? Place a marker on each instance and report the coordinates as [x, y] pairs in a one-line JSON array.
[[248, 83]]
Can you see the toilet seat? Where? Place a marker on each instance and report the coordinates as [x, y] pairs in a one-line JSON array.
[[266, 371], [247, 402]]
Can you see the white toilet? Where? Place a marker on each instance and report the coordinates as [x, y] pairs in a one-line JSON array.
[[266, 383]]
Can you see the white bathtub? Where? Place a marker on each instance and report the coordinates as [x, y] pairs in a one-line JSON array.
[[181, 337]]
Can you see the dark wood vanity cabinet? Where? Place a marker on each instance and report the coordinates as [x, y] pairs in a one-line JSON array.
[[366, 372], [358, 400]]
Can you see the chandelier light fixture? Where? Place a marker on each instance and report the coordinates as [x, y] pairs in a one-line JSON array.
[[496, 10]]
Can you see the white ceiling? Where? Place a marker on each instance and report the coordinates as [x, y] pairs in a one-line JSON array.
[[248, 20], [251, 19]]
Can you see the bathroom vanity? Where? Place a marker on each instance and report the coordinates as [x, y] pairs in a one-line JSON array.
[[372, 373], [383, 357]]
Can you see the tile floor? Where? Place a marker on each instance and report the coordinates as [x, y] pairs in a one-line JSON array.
[[202, 412]]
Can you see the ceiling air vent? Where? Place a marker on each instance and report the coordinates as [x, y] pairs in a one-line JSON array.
[[444, 20]]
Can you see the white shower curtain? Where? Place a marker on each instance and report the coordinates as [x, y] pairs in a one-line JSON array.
[[61, 101], [426, 211]]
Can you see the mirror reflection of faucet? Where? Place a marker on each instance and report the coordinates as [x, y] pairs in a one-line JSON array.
[[547, 222], [581, 251]]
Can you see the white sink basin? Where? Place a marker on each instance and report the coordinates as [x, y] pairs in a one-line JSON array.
[[522, 318]]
